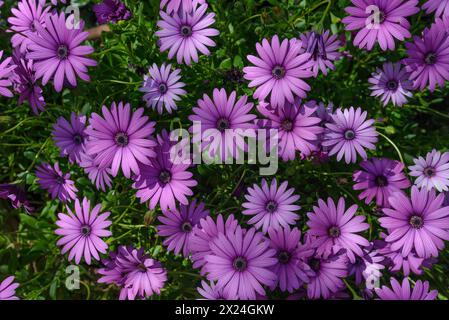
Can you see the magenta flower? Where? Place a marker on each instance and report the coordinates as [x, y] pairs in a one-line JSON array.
[[120, 139], [279, 70], [367, 266], [380, 21], [57, 51], [428, 58], [162, 88], [24, 21], [224, 124], [379, 179], [391, 83], [440, 7], [56, 182], [349, 134], [241, 263], [6, 69], [419, 222], [185, 33], [111, 11], [323, 49], [271, 206], [16, 196], [100, 176], [291, 271], [404, 291], [432, 171], [336, 228], [82, 232], [180, 5], [8, 289], [204, 233], [177, 226], [162, 181], [298, 128], [70, 137], [212, 292]]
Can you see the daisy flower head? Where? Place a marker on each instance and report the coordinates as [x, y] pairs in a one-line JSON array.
[[271, 205], [334, 228], [120, 139], [8, 289], [82, 231], [403, 291], [391, 83], [70, 136], [100, 176], [349, 134], [417, 223], [323, 48], [6, 69], [111, 11], [379, 21], [16, 196], [279, 70], [367, 266], [185, 33], [57, 183], [379, 179], [162, 88], [57, 51], [440, 7], [432, 172]]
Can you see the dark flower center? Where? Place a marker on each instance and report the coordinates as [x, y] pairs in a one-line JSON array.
[[284, 257], [165, 176], [278, 72], [382, 16], [429, 172], [85, 230], [60, 180], [392, 85], [240, 264], [186, 226], [381, 181], [416, 222], [334, 232], [163, 88], [287, 125], [62, 51], [349, 134], [430, 58], [121, 139], [223, 124], [141, 267], [78, 139], [271, 206], [315, 264], [186, 31]]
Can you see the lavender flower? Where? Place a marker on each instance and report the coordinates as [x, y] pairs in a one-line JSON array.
[[70, 137], [174, 6], [404, 292], [56, 182], [432, 171], [212, 292], [16, 196], [6, 69], [440, 7], [100, 176], [111, 11], [8, 289]]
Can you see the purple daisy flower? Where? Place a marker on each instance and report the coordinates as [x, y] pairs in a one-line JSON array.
[[57, 52], [279, 70], [180, 5], [404, 292], [24, 21], [162, 88], [220, 120], [391, 83], [298, 128], [380, 21], [8, 289], [100, 176], [177, 226], [432, 171], [241, 263], [336, 228], [24, 81], [16, 196], [379, 179], [120, 139], [323, 49], [6, 69], [440, 7], [56, 182], [349, 133], [163, 181], [82, 232], [291, 271], [111, 273], [111, 11], [419, 222], [212, 292], [185, 33], [367, 266], [69, 137], [428, 58], [271, 206], [204, 233]]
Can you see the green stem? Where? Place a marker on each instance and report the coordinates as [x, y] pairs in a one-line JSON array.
[[394, 146]]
